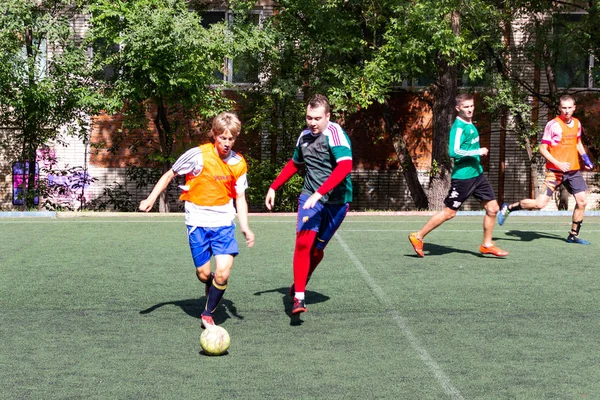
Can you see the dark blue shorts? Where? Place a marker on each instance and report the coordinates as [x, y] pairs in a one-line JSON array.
[[573, 181], [206, 242], [325, 219]]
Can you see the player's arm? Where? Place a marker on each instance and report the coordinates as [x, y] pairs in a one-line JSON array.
[[242, 212], [161, 185], [563, 166], [339, 173], [586, 159], [286, 173], [456, 149]]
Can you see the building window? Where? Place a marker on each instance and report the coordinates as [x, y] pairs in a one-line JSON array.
[[244, 69]]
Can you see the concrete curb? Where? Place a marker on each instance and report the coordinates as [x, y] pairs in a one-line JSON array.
[[108, 214], [27, 214]]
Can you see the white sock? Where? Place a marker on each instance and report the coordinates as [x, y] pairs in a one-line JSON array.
[[299, 295]]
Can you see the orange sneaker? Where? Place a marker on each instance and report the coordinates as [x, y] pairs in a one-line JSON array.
[[417, 244], [493, 250]]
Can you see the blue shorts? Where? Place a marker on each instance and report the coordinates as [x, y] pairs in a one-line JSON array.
[[325, 219], [207, 242]]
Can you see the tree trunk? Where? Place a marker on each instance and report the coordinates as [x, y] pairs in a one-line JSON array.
[[443, 117], [409, 171], [165, 137]]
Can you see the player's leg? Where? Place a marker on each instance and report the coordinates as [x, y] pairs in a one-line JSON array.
[[199, 240], [551, 182], [484, 192], [333, 216], [576, 185], [307, 226], [225, 248], [489, 220], [416, 238], [205, 275], [460, 190]]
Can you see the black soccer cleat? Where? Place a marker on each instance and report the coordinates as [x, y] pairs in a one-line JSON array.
[[298, 307]]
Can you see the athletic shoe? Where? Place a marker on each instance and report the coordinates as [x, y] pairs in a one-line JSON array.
[[493, 250], [207, 321], [576, 239], [299, 306], [208, 283], [417, 244], [503, 214]]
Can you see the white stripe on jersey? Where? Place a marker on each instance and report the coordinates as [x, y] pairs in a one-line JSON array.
[[336, 135], [190, 161]]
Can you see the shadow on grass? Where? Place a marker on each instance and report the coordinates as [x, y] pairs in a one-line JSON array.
[[529, 236], [311, 298], [194, 307], [432, 249]]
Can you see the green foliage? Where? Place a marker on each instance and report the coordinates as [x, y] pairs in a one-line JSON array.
[[114, 197], [508, 97], [38, 94], [260, 176], [158, 64]]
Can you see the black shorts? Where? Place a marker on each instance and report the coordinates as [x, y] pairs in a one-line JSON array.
[[461, 189]]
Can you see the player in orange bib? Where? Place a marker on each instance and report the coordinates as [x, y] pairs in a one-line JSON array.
[[561, 147], [215, 175]]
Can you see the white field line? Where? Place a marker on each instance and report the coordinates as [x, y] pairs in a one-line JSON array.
[[402, 323], [458, 230], [399, 221]]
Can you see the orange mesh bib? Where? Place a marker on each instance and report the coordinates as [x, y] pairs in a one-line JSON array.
[[215, 185], [566, 149]]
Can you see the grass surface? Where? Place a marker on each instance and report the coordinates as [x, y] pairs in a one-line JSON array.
[[100, 308]]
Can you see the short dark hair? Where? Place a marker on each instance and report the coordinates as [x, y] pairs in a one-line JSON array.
[[319, 100], [566, 97], [462, 97]]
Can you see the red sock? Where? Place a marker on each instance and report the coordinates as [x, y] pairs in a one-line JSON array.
[[315, 258], [304, 242]]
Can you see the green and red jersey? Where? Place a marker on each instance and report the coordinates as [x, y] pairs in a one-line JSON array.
[[320, 154]]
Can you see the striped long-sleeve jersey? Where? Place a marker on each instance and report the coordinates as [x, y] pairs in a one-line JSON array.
[[320, 154]]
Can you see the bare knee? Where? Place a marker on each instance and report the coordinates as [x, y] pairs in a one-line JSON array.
[[201, 275], [581, 202], [222, 276], [448, 213], [203, 272]]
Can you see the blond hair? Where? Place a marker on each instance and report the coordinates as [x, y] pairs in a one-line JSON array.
[[226, 121]]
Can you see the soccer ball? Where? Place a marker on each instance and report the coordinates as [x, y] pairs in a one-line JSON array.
[[214, 340]]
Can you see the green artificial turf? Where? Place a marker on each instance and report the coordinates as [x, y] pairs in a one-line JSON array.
[[107, 308]]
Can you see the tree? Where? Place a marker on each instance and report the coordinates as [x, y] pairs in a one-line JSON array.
[[44, 83], [358, 52], [554, 46], [161, 62]]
